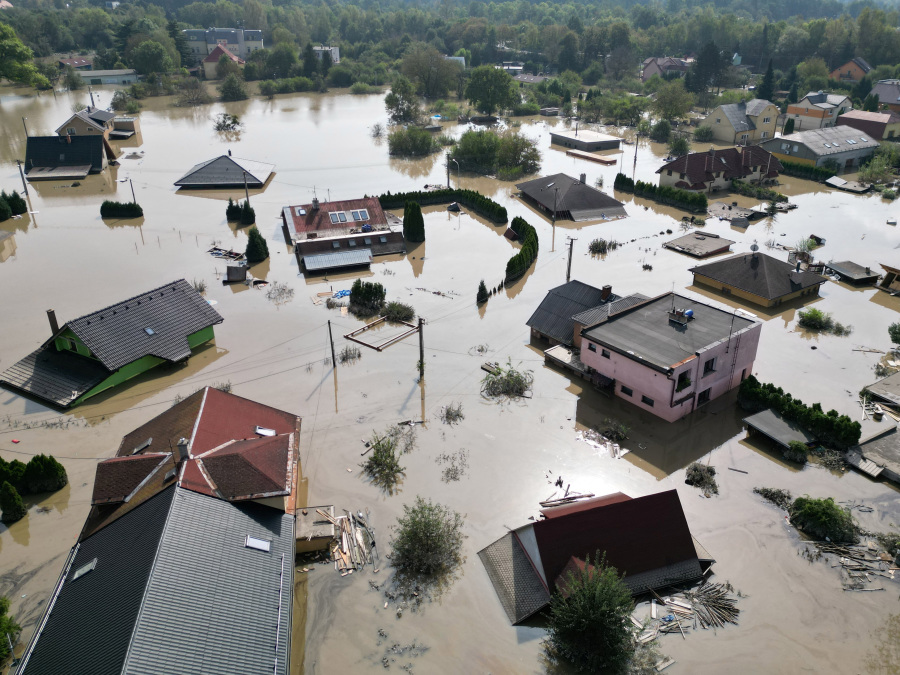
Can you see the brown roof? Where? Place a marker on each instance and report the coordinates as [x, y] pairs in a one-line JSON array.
[[252, 468], [305, 219], [699, 167], [119, 477], [637, 535], [226, 417], [218, 52], [75, 63]]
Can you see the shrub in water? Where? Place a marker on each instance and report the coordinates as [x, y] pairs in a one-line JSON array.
[[257, 249], [248, 215], [482, 293], [11, 504], [823, 519], [110, 209]]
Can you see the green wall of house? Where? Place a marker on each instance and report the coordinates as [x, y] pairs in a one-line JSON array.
[[139, 366]]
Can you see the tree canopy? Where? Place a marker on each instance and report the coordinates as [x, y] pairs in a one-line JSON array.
[[490, 89], [151, 57], [402, 102], [433, 73], [16, 63]]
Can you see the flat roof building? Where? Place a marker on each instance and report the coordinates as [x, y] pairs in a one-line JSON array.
[[584, 139]]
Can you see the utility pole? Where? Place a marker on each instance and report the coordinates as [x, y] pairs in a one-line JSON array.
[[22, 174], [569, 266], [448, 170], [421, 349], [331, 340], [25, 125], [246, 191], [133, 198]]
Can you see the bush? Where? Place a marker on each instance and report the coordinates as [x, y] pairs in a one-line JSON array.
[[815, 319], [894, 332], [366, 297], [11, 504], [679, 146], [521, 261], [703, 134], [817, 173], [795, 452], [363, 88], [44, 474], [109, 209], [780, 498], [890, 195], [232, 211], [602, 247], [382, 466], [507, 382], [427, 541], [398, 311], [413, 222], [756, 191], [525, 109], [233, 89], [823, 519], [5, 210], [411, 142], [482, 295], [508, 155], [702, 476], [480, 204], [248, 216], [589, 623], [17, 205], [8, 626], [257, 249], [661, 131], [685, 199], [831, 429]]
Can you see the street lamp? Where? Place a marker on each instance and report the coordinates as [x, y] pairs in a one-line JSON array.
[[457, 172], [25, 125]]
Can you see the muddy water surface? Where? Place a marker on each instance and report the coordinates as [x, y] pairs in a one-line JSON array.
[[796, 618]]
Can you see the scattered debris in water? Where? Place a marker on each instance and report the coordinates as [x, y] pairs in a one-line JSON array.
[[457, 464], [780, 498]]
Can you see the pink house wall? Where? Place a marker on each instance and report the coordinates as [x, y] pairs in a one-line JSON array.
[[734, 360]]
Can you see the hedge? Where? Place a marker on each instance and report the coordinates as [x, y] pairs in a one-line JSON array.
[[476, 201], [830, 428], [521, 261], [756, 191], [684, 199], [817, 173], [110, 209]]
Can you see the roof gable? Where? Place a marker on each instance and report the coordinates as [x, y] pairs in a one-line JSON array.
[[226, 170], [118, 478], [155, 323], [248, 469], [218, 53], [554, 316], [759, 274]]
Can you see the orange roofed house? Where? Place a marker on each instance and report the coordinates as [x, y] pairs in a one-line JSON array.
[[212, 60], [852, 71]]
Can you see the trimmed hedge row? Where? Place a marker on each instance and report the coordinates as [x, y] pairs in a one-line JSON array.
[[817, 173], [756, 191], [476, 201], [683, 199], [110, 209], [521, 261], [832, 429]]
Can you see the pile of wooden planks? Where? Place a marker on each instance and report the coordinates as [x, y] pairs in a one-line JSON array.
[[354, 545], [709, 605], [860, 565]]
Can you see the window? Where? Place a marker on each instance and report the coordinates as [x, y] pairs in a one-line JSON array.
[[592, 347], [84, 569], [604, 353], [743, 137], [703, 397], [646, 400], [258, 544], [743, 374], [70, 131], [766, 120], [352, 243], [681, 176], [335, 244], [334, 218], [796, 148], [684, 380], [367, 241], [627, 391], [709, 367], [669, 172], [383, 240], [342, 217], [149, 331], [765, 134], [718, 120]]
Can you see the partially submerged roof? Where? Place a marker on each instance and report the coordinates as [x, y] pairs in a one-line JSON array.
[[600, 313], [887, 388], [853, 272], [646, 539], [699, 244], [699, 167], [826, 141], [566, 194], [49, 151], [226, 171], [553, 317], [337, 259], [883, 449], [645, 333], [780, 430], [54, 376], [174, 587], [760, 275]]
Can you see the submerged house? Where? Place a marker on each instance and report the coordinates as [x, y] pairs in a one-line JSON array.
[[758, 278], [66, 157], [103, 349], [184, 564], [565, 198], [715, 169], [225, 172], [647, 539]]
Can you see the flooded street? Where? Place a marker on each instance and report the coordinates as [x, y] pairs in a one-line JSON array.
[[796, 618]]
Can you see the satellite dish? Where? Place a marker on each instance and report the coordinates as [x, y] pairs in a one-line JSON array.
[[754, 247]]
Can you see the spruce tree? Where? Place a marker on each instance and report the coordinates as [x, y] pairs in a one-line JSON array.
[[248, 215], [482, 293], [413, 222], [232, 211], [16, 204], [767, 87], [11, 504], [44, 474], [257, 250], [788, 127]]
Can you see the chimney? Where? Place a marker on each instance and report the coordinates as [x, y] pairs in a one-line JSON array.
[[797, 269], [229, 152], [182, 452], [712, 151], [54, 324], [583, 178], [605, 292], [315, 204], [868, 271]]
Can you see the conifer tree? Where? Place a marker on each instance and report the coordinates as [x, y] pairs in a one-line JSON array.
[[11, 504], [257, 249]]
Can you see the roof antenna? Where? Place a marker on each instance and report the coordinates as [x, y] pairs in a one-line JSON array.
[[673, 296], [754, 247]]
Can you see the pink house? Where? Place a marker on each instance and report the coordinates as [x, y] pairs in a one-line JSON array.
[[670, 355]]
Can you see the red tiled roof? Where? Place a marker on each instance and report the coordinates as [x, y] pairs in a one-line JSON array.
[[637, 535], [699, 167], [218, 52], [584, 505], [119, 477], [244, 469], [871, 123], [226, 417], [318, 220]]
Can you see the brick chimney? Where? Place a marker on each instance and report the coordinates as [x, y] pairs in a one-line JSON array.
[[605, 292], [54, 324]]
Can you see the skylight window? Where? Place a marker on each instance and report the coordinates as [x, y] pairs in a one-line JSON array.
[[342, 216], [84, 569], [265, 431], [149, 331], [334, 218], [258, 544]]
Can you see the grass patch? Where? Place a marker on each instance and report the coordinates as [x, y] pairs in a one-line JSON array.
[[602, 247], [452, 413], [349, 354]]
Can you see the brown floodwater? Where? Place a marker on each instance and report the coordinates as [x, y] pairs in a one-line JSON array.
[[64, 256]]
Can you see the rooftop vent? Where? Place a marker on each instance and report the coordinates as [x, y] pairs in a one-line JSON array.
[[258, 544], [681, 316], [170, 474], [84, 569], [142, 446], [264, 431]]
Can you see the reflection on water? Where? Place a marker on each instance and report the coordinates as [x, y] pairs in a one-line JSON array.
[[7, 245]]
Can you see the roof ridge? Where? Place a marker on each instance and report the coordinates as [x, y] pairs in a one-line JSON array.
[[125, 302]]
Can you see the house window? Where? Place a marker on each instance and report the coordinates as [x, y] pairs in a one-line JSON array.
[[669, 172], [681, 176], [335, 244], [367, 241], [765, 134], [352, 243], [743, 137], [646, 400], [334, 218], [604, 353], [592, 347], [627, 391], [718, 120], [703, 397], [70, 131], [684, 380], [342, 217], [709, 367], [766, 120]]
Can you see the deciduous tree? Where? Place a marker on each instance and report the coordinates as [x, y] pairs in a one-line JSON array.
[[490, 89]]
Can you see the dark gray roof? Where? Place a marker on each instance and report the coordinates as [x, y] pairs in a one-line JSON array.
[[327, 261], [64, 151], [101, 116], [736, 114], [553, 317], [887, 91], [89, 628], [118, 335], [569, 194], [887, 388], [777, 428], [849, 270], [601, 313], [59, 377], [175, 590], [825, 141], [646, 334], [518, 585], [759, 274], [226, 171]]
